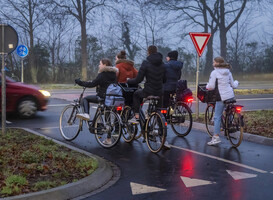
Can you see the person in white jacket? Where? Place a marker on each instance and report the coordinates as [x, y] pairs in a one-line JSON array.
[[224, 91]]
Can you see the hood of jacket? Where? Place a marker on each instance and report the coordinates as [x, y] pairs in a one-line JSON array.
[[108, 69], [222, 71], [155, 58], [125, 64]]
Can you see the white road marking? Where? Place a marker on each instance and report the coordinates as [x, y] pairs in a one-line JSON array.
[[57, 105], [142, 189], [192, 182], [240, 175], [252, 99], [271, 172], [8, 122], [221, 159]]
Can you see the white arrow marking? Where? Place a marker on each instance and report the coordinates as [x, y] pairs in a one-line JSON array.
[[191, 182], [142, 189], [240, 175], [271, 172]]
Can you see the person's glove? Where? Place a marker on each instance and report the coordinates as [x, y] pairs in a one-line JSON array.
[[78, 81]]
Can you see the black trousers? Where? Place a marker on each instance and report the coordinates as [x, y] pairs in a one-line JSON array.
[[138, 97], [166, 98], [89, 99]]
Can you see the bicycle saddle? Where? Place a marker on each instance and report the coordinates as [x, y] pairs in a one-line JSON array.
[[153, 97], [230, 101]]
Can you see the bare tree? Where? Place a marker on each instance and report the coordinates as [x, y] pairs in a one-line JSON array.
[[27, 15], [80, 9]]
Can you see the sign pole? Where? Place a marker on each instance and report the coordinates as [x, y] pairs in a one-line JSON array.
[[22, 70], [196, 88], [3, 82]]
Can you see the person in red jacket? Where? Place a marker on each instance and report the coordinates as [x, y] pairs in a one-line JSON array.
[[126, 67]]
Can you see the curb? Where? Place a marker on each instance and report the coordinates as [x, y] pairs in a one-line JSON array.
[[246, 136], [100, 177]]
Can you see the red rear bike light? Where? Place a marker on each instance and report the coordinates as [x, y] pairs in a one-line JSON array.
[[238, 109], [119, 108], [189, 99], [164, 111]]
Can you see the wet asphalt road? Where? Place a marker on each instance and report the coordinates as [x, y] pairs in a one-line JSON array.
[[189, 170]]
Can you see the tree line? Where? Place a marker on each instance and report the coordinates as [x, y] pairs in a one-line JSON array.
[[66, 39]]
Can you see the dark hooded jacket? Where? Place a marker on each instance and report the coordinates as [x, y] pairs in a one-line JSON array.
[[173, 74], [105, 77], [153, 70]]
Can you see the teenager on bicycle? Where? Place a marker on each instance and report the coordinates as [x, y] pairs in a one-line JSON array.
[[106, 76], [173, 69], [222, 81], [125, 67], [154, 71]]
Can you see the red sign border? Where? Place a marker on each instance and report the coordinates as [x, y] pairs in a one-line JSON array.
[[192, 35]]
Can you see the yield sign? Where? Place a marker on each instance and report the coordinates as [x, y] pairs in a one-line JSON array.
[[200, 41]]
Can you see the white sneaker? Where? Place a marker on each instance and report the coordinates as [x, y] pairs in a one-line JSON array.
[[134, 120], [83, 116], [214, 140], [107, 141]]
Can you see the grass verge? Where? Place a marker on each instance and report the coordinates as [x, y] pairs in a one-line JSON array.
[[256, 122], [30, 163]]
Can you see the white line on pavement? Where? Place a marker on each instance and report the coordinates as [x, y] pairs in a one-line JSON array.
[[56, 105], [220, 159]]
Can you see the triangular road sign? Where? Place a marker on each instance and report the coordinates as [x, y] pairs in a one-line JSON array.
[[240, 175], [200, 41], [191, 182], [142, 189]]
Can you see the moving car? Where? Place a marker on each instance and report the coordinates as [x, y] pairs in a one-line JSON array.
[[23, 99]]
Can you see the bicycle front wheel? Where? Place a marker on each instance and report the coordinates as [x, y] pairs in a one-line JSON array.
[[181, 120], [129, 130], [209, 121], [70, 125], [107, 128], [155, 132], [234, 128]]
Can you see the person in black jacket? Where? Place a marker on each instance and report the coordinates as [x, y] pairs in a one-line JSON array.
[[106, 76], [173, 74], [153, 70]]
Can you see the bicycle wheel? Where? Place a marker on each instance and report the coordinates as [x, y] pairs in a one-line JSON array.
[[209, 121], [107, 128], [181, 120], [70, 125], [155, 132], [129, 130], [234, 128]]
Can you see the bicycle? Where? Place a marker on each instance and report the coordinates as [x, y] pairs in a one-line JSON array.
[[232, 122], [153, 124], [178, 114], [105, 124]]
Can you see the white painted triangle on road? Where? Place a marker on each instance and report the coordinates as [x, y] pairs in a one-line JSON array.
[[240, 175], [191, 182], [142, 189], [200, 41]]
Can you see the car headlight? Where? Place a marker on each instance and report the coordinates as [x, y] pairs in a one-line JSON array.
[[45, 93]]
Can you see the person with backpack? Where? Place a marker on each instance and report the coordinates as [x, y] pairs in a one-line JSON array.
[[222, 82], [173, 69], [106, 76], [154, 71], [125, 67]]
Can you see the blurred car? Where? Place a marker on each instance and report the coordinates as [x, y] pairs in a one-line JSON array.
[[23, 99]]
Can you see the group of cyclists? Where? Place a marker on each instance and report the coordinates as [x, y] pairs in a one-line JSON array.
[[160, 80]]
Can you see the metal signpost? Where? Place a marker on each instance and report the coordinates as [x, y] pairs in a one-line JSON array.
[[8, 43], [22, 51], [200, 41]]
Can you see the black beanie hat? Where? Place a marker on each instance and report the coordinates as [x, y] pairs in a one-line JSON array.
[[173, 55]]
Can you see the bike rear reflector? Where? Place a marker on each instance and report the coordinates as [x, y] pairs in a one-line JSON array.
[[166, 123], [238, 109], [164, 111], [190, 99], [119, 108]]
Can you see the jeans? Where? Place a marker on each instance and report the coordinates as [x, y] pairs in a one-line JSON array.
[[219, 107], [86, 100]]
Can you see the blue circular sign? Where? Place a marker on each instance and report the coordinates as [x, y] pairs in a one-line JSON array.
[[22, 51]]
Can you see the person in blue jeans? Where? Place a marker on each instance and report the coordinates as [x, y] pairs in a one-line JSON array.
[[222, 81]]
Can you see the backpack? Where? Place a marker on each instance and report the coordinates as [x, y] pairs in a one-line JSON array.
[[181, 86], [114, 96], [182, 91]]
